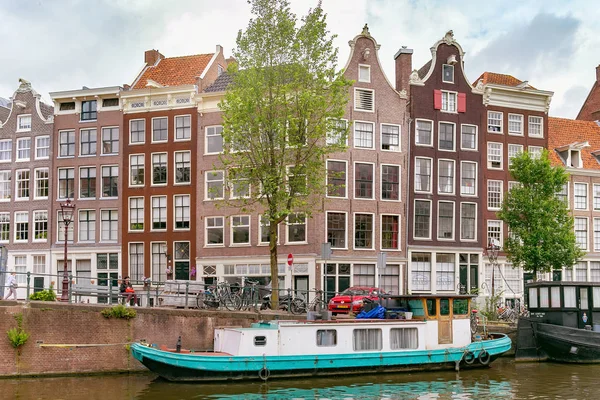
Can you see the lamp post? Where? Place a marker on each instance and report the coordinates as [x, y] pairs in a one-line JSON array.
[[67, 209], [492, 253]]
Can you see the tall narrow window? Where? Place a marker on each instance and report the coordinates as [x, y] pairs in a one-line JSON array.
[[596, 234], [159, 169], [110, 225], [23, 178], [596, 197], [363, 135], [240, 229], [536, 126], [41, 183], [4, 227], [110, 178], [214, 185], [87, 182], [468, 137], [445, 220], [390, 137], [390, 232], [110, 140], [159, 129], [66, 145], [468, 221], [446, 136], [88, 110], [60, 229], [296, 228], [423, 133], [182, 211], [494, 122], [214, 231], [494, 194], [448, 101], [580, 194], [23, 149], [363, 231], [214, 139], [336, 230], [159, 212], [336, 178], [515, 124], [390, 182], [422, 220], [6, 150], [363, 181], [136, 214], [494, 155], [336, 132], [422, 174], [183, 127], [5, 185], [136, 170], [136, 261], [42, 147], [21, 226], [159, 261], [581, 233], [87, 225], [446, 176], [240, 184], [468, 178], [420, 268], [444, 271], [40, 226], [137, 131], [513, 151], [87, 143], [183, 167], [494, 231], [448, 73]]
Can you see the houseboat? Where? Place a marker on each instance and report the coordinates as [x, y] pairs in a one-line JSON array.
[[563, 323], [437, 336]]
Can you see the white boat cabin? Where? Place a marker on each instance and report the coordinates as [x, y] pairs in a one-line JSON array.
[[436, 323]]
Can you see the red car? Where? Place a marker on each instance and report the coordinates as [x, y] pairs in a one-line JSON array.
[[351, 299]]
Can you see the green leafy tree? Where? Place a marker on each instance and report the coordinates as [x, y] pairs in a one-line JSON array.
[[286, 97], [541, 235]]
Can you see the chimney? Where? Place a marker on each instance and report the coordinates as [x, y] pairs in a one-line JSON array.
[[403, 69], [219, 49], [152, 56], [598, 73]]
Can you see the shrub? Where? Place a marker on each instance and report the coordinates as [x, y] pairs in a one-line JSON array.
[[43, 295], [119, 311], [17, 336]]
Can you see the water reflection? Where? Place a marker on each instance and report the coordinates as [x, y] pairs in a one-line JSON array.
[[505, 380]]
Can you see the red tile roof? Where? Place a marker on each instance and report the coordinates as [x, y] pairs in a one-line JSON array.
[[499, 79], [562, 132], [175, 71]]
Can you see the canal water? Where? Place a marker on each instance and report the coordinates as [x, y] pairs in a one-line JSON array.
[[504, 380]]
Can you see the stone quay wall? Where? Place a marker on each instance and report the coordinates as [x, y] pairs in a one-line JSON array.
[[58, 323]]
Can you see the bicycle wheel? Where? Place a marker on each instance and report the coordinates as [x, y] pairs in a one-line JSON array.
[[298, 306], [232, 301], [318, 305], [200, 301], [211, 301]]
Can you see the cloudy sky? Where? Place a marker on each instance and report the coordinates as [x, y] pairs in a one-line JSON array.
[[65, 44]]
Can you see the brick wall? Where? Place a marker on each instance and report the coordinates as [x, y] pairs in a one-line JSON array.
[[56, 323]]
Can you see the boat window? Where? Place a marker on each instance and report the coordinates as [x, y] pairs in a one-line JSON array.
[[555, 297], [326, 337], [367, 339], [583, 298], [533, 300], [431, 311], [416, 307], [404, 338], [260, 340], [460, 306], [596, 294], [544, 297], [570, 298], [444, 307]]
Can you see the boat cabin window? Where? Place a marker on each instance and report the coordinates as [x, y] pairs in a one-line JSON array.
[[596, 296], [326, 337], [570, 297], [555, 297], [460, 306], [367, 339], [431, 310], [260, 340], [404, 338], [416, 307], [533, 300], [544, 303], [444, 307]]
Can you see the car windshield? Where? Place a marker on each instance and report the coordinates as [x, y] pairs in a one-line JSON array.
[[355, 292]]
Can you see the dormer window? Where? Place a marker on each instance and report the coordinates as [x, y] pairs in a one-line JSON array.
[[575, 159], [110, 102], [571, 154], [448, 73], [364, 73], [68, 106]]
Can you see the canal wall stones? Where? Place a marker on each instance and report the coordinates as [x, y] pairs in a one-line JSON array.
[[70, 324]]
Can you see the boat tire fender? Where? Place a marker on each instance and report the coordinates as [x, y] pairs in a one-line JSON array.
[[469, 358], [484, 357], [264, 374]]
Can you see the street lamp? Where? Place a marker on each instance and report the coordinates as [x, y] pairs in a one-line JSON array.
[[492, 253], [68, 209]]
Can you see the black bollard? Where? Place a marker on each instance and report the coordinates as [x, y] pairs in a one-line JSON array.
[[178, 347]]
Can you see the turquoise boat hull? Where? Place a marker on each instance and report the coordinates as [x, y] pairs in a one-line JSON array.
[[210, 367]]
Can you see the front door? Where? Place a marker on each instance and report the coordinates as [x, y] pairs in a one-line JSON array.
[[445, 322], [301, 286], [585, 312], [463, 278], [182, 270]]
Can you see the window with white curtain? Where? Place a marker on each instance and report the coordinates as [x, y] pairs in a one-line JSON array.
[[446, 176], [367, 339], [326, 337], [555, 297], [544, 297], [533, 300], [594, 271], [596, 295], [570, 298], [420, 267], [404, 338], [445, 267]]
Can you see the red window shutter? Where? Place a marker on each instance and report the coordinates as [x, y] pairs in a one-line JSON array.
[[437, 99], [462, 102]]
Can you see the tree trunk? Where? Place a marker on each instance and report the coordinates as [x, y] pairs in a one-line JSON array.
[[274, 266]]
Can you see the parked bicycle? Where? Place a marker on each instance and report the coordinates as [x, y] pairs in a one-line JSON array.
[[299, 306]]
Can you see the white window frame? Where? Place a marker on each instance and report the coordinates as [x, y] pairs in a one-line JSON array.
[[110, 211], [260, 227], [21, 140], [354, 181], [453, 136], [489, 165], [453, 221], [206, 138], [575, 207], [453, 177], [501, 183], [535, 151], [399, 137], [399, 248], [373, 230], [368, 67], [231, 186], [596, 191], [206, 244], [475, 179], [175, 130], [449, 93], [501, 131], [152, 168], [381, 181], [9, 150], [587, 231], [541, 123], [16, 222], [20, 118], [515, 133], [152, 130], [33, 230], [345, 176], [414, 225], [334, 140], [131, 184], [5, 220], [175, 153], [110, 176], [129, 199], [189, 206], [430, 144], [81, 131], [430, 175], [487, 237], [152, 229], [596, 238], [287, 230], [109, 128], [356, 90], [345, 228], [206, 197], [37, 147], [59, 143], [513, 146], [461, 221], [88, 221], [17, 197], [231, 228], [131, 142], [35, 184], [373, 135], [476, 138], [451, 66]]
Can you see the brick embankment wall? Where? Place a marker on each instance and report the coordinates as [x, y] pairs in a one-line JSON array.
[[57, 323]]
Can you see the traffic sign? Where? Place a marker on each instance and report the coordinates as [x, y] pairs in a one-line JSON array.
[[290, 259]]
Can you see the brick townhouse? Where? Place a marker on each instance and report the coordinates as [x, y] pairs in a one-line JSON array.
[[590, 110], [87, 169], [25, 175], [362, 214], [515, 119], [445, 192], [160, 120], [575, 145]]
